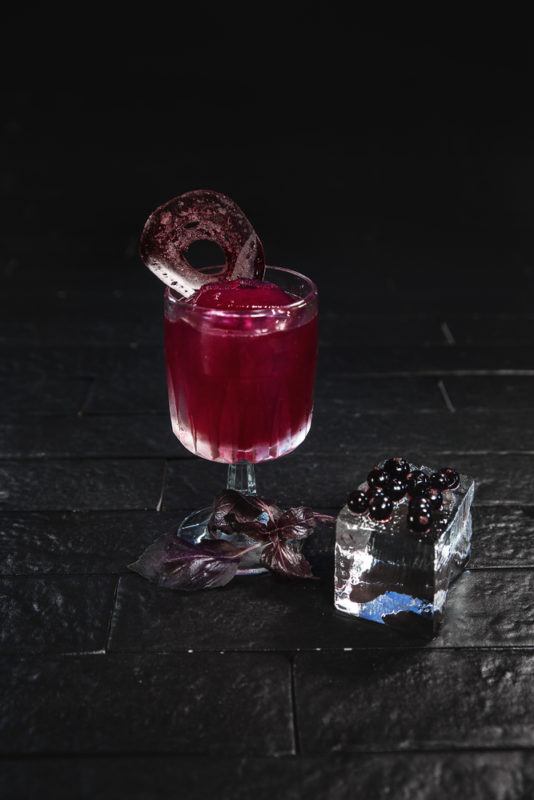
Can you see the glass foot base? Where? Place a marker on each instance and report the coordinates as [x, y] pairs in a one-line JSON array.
[[194, 529]]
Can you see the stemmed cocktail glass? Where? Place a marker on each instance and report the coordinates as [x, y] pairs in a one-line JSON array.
[[241, 357]]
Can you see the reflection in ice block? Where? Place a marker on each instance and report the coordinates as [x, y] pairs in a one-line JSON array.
[[387, 574]]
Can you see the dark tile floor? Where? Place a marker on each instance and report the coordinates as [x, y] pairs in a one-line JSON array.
[[110, 685]]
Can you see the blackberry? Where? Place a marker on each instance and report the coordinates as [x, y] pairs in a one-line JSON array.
[[438, 481], [358, 502], [396, 488], [397, 468], [451, 476], [380, 508], [417, 483], [372, 491], [377, 477], [419, 516], [434, 497]]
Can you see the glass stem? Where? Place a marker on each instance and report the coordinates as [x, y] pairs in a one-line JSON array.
[[241, 477]]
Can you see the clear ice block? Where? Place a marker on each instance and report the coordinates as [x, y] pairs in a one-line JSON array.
[[387, 574]]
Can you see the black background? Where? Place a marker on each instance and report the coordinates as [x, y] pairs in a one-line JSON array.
[[343, 143]]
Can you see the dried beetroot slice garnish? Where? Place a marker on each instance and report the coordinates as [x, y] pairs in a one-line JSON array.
[[194, 216]]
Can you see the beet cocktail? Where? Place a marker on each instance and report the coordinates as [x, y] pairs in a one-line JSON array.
[[240, 346], [241, 366]]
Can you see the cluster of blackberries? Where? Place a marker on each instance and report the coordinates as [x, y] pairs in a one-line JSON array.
[[388, 484]]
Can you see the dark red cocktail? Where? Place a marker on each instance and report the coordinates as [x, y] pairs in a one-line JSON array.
[[241, 359]]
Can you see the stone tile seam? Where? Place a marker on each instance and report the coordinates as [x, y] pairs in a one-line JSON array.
[[288, 757], [112, 615], [112, 653]]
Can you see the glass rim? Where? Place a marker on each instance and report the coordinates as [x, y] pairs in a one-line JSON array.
[[301, 303]]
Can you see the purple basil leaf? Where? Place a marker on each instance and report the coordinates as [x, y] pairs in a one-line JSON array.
[[286, 560], [234, 512], [172, 563], [296, 523]]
